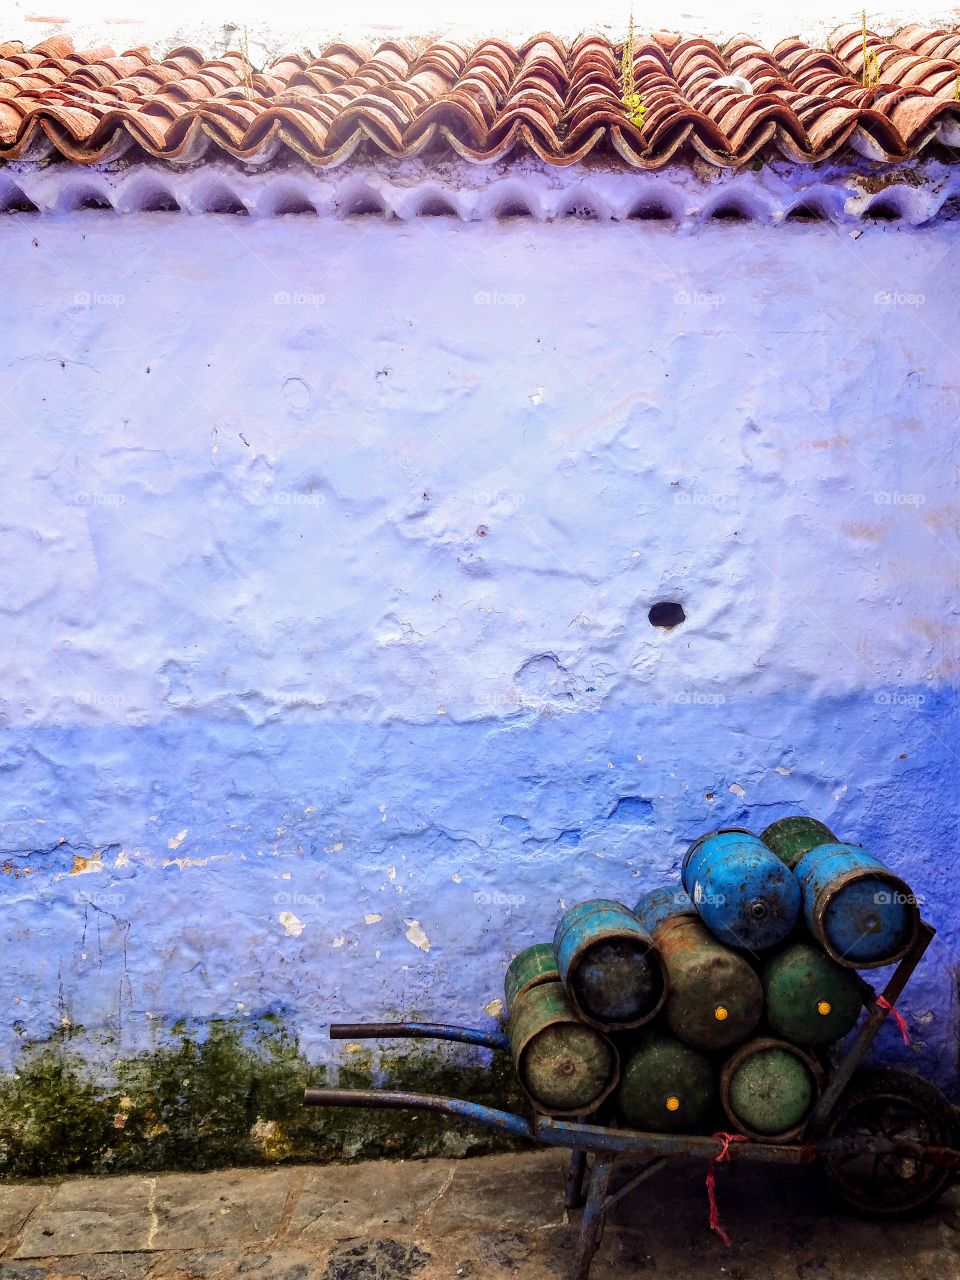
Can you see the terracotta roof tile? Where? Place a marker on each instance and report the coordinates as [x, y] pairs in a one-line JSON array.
[[562, 102]]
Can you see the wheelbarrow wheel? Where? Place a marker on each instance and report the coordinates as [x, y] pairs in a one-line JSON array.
[[887, 1102]]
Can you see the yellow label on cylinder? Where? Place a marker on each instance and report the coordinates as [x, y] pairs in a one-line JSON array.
[[673, 1103], [720, 1013], [824, 1007]]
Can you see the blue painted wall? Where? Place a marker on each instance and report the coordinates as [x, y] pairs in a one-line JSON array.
[[327, 674]]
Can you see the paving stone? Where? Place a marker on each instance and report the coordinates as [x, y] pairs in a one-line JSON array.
[[507, 1249], [384, 1259], [22, 1271], [502, 1192], [494, 1218], [107, 1266], [91, 1215], [339, 1203], [278, 1264], [16, 1205], [198, 1264], [497, 1255], [212, 1211]]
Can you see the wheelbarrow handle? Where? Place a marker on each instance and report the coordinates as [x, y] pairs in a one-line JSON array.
[[417, 1031], [505, 1121]]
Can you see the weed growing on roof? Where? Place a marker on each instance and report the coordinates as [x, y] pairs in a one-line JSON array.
[[871, 68], [634, 103]]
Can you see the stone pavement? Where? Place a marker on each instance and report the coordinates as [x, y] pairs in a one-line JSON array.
[[482, 1219]]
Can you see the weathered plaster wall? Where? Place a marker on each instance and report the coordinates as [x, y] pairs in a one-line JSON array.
[[326, 670]]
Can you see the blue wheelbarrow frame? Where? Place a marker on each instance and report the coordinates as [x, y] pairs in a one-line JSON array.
[[607, 1144]]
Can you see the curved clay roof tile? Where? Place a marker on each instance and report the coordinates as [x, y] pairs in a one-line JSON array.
[[54, 47], [558, 102]]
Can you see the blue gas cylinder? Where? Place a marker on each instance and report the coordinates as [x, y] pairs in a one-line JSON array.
[[660, 904], [745, 895], [861, 913]]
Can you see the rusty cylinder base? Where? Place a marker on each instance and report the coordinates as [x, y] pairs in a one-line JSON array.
[[609, 966], [768, 1088], [566, 1067]]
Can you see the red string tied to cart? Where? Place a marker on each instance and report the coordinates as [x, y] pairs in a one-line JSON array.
[[898, 1018], [723, 1154]]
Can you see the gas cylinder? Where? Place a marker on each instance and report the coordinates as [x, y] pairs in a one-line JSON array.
[[714, 998], [809, 998], [660, 904], [743, 893], [608, 964], [666, 1087], [529, 968], [858, 910], [791, 838], [768, 1088], [565, 1067]]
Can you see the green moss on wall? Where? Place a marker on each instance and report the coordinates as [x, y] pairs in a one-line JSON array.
[[229, 1093]]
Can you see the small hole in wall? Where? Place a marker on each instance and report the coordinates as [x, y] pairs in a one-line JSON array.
[[365, 205], [160, 201], [436, 207], [666, 614], [651, 213], [223, 201], [514, 209], [92, 200], [14, 201], [729, 213], [293, 205], [580, 209], [806, 213], [883, 211]]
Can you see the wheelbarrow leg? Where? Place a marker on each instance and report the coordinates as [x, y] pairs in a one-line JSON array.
[[573, 1188], [591, 1225]]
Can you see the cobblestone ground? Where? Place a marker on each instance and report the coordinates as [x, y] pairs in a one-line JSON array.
[[480, 1219]]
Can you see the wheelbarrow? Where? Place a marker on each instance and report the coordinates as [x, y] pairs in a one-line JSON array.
[[886, 1140]]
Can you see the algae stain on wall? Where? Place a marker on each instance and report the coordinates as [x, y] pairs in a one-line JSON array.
[[226, 1093]]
